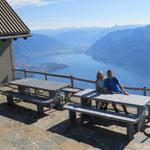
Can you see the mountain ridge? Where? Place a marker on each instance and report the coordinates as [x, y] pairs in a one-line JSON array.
[[130, 47]]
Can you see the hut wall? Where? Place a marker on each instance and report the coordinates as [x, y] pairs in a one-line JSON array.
[[6, 61]]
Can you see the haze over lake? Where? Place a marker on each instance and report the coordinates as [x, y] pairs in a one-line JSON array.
[[83, 66]]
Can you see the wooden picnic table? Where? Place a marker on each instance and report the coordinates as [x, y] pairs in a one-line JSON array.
[[140, 102], [53, 87]]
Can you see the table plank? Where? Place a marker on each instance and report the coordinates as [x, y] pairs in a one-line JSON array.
[[40, 84], [87, 93], [131, 99], [134, 100]]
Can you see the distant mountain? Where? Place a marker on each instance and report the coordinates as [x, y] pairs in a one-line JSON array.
[[39, 44], [81, 38], [129, 47]]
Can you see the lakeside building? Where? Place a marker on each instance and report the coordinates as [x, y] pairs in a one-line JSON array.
[[11, 28]]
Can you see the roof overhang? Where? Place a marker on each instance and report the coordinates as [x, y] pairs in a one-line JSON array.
[[15, 37], [11, 25]]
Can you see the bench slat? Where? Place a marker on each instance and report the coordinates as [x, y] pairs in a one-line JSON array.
[[101, 113], [85, 92], [71, 90], [29, 98]]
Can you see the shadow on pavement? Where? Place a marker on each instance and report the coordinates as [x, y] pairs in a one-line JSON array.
[[20, 113], [94, 135]]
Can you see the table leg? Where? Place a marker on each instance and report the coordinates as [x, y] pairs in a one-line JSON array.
[[52, 94], [85, 102], [148, 112], [67, 97], [72, 117], [10, 100], [56, 98], [23, 90], [37, 92], [141, 112], [40, 108]]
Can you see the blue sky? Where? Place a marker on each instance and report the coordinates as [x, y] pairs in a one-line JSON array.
[[50, 14]]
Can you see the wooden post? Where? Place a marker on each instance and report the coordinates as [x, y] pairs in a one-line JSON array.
[[14, 75], [85, 102], [46, 78], [10, 100], [144, 91], [25, 73], [130, 131], [40, 108], [72, 117], [72, 81]]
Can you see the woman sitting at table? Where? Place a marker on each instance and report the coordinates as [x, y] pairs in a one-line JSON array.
[[100, 88]]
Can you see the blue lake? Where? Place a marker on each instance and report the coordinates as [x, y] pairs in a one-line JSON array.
[[83, 66]]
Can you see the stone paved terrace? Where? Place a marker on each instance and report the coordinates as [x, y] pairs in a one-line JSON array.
[[21, 128]]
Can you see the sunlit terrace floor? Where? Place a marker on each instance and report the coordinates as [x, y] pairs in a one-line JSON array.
[[22, 128]]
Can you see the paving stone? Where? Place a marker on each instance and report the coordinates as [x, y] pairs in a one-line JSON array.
[[59, 139], [69, 145], [135, 146], [10, 136], [45, 144], [27, 147], [22, 141], [5, 145]]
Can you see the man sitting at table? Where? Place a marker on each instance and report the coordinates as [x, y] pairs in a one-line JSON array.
[[113, 85]]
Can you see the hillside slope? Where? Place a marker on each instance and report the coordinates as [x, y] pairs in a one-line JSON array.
[[130, 47], [39, 44]]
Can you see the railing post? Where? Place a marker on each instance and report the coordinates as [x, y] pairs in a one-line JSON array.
[[144, 91], [25, 73], [72, 81], [46, 78]]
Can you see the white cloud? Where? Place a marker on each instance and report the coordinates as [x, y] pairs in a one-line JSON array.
[[53, 23], [20, 3], [55, 19]]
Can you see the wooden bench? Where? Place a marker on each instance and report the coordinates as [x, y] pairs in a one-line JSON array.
[[129, 120], [68, 91], [41, 102]]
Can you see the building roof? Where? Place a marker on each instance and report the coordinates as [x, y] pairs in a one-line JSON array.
[[11, 26]]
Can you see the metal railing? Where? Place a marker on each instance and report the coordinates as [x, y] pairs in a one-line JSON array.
[[72, 79]]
